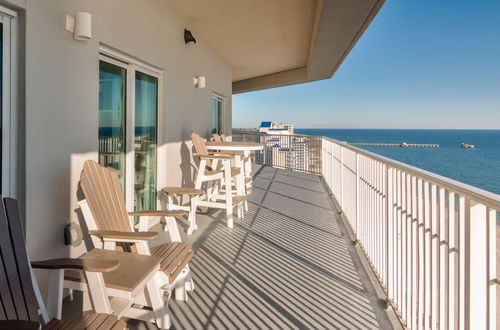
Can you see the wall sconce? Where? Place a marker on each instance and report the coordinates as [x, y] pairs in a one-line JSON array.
[[80, 25], [200, 82], [188, 37]]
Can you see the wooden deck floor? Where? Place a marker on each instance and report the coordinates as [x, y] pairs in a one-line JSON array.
[[286, 265]]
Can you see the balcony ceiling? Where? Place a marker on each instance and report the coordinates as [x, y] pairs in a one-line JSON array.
[[272, 43]]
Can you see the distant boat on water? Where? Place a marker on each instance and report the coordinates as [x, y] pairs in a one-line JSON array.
[[467, 146]]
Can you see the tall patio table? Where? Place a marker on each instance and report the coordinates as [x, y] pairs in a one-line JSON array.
[[245, 147]]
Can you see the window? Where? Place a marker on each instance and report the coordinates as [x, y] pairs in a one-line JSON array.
[[217, 114], [128, 128]]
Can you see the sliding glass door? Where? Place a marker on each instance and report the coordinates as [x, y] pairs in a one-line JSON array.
[[146, 114], [112, 108], [128, 128]]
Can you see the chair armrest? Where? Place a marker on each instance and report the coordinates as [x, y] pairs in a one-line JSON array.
[[88, 265], [127, 236], [19, 325], [159, 213], [215, 156]]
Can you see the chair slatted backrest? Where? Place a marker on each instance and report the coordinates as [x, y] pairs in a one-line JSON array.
[[17, 295], [217, 137], [104, 196], [201, 148], [199, 144]]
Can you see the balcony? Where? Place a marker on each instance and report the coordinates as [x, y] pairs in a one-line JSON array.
[[338, 237], [288, 264]]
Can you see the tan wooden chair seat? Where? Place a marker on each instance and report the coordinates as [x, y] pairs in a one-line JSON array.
[[174, 257], [90, 322], [129, 274], [182, 191]]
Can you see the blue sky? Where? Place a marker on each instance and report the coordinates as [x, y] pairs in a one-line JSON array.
[[420, 64]]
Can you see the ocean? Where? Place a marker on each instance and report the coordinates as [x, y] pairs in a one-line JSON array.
[[479, 167]]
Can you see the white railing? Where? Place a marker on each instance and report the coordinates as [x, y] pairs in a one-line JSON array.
[[293, 152], [433, 242]]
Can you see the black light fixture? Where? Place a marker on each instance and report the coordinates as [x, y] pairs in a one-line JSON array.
[[188, 37]]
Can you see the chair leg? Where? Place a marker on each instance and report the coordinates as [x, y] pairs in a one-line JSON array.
[[192, 215], [228, 192], [55, 296], [189, 284], [240, 188], [181, 293], [155, 301], [242, 211]]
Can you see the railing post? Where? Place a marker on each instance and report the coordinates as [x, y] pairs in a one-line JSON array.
[[476, 259]]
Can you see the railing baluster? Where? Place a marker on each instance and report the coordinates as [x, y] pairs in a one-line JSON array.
[[476, 257], [427, 265], [453, 230], [493, 289], [443, 261], [390, 241], [434, 259], [415, 246]]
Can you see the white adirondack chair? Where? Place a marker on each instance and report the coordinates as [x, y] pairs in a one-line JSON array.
[[110, 224], [216, 172]]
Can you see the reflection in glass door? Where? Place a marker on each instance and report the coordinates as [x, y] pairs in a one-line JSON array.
[[146, 114], [112, 106]]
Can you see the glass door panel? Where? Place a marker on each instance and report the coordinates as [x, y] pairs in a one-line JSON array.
[[217, 115], [112, 107], [146, 114]]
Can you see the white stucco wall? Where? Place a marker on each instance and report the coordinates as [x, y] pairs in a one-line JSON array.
[[61, 112]]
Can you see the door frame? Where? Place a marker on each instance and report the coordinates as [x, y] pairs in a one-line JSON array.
[[131, 65], [9, 114]]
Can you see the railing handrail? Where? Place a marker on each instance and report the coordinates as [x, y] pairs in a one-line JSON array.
[[477, 194]]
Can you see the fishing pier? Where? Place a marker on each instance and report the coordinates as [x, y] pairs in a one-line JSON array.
[[402, 145]]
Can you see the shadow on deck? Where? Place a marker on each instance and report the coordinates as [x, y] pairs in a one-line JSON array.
[[288, 264]]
